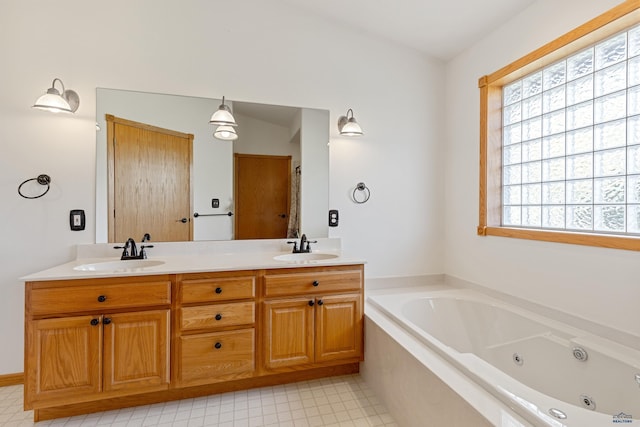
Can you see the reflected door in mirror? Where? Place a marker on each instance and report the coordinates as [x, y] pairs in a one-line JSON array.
[[149, 181], [262, 194]]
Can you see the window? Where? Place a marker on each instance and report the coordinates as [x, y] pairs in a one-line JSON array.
[[560, 138]]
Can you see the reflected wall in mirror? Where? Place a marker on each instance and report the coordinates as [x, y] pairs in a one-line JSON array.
[[264, 131]]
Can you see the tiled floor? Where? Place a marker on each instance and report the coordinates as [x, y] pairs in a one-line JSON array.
[[338, 401]]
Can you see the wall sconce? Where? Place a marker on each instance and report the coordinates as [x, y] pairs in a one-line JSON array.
[[223, 116], [53, 101], [348, 125], [225, 133]]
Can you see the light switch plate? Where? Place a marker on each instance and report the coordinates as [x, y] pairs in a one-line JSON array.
[[77, 220]]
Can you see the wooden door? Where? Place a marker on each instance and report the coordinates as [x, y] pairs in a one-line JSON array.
[[338, 327], [149, 175], [136, 351], [63, 359], [288, 332], [262, 188]]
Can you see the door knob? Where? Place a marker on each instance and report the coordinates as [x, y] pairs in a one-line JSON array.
[[183, 220]]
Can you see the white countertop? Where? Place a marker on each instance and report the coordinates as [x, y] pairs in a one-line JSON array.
[[193, 257]]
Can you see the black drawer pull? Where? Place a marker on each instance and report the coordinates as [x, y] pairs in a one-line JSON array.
[[218, 316], [320, 302], [218, 345], [311, 303], [315, 283], [102, 298], [94, 322], [218, 290], [106, 320]]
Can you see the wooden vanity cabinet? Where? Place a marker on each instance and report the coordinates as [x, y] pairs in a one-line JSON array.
[[99, 344], [312, 317], [90, 338], [216, 334]]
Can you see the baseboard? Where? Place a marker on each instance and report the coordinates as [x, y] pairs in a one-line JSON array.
[[11, 379]]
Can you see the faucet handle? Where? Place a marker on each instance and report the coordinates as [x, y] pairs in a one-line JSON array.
[[125, 251], [308, 248], [295, 245], [143, 254]]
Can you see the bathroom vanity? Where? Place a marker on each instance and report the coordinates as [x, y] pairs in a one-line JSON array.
[[191, 326]]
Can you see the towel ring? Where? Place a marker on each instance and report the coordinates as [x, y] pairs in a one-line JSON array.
[[42, 180], [365, 190]]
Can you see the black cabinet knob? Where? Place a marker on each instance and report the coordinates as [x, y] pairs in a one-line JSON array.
[[102, 298], [218, 316], [218, 290], [311, 303], [315, 283], [106, 320], [218, 345], [94, 322], [320, 302]]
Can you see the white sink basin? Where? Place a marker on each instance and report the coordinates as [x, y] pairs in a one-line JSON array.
[[124, 265], [303, 257]]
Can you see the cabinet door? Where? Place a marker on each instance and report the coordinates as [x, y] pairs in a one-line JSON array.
[[136, 351], [288, 330], [63, 359], [338, 327]]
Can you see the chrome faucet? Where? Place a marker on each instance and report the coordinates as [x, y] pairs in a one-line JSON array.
[[130, 250], [304, 247]]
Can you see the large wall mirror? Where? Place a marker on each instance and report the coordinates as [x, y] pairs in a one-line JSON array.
[[216, 184]]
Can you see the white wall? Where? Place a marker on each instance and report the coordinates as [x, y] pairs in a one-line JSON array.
[[252, 50], [599, 284], [260, 137]]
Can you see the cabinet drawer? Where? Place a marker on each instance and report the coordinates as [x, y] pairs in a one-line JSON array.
[[318, 282], [218, 289], [81, 298], [217, 315], [208, 358]]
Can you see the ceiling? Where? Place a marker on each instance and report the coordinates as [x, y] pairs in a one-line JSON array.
[[439, 28], [274, 114]]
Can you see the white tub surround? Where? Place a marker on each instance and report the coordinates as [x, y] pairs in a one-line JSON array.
[[193, 257], [403, 375], [512, 365]]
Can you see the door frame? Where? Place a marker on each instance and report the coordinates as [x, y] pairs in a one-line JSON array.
[[111, 122]]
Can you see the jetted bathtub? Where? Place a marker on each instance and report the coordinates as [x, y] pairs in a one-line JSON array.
[[547, 372]]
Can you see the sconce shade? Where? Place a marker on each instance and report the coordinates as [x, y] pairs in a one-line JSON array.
[[223, 116], [226, 133], [54, 102], [348, 125]]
